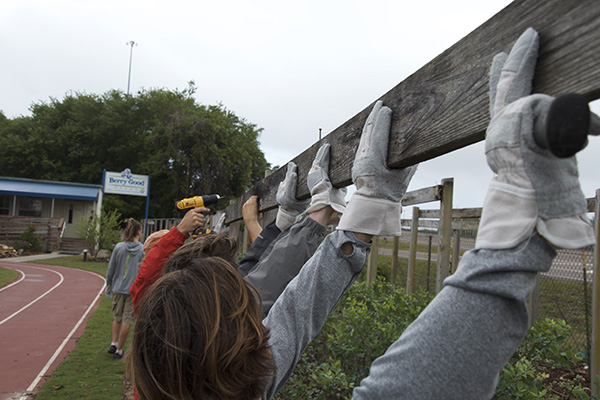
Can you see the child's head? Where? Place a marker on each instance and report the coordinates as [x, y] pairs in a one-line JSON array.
[[199, 333], [153, 239], [212, 245]]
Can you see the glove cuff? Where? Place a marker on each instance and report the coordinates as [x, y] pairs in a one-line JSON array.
[[568, 233], [509, 216], [371, 216], [285, 219], [324, 195]]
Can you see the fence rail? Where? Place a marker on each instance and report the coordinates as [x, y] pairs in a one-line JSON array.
[[444, 106]]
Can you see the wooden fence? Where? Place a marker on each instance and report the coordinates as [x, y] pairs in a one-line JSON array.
[[444, 105]]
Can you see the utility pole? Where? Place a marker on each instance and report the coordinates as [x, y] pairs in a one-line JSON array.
[[130, 43]]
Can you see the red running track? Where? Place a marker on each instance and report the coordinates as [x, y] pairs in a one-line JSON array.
[[42, 315]]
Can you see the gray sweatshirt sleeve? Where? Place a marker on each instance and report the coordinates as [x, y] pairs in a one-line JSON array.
[[282, 261], [459, 344], [302, 309]]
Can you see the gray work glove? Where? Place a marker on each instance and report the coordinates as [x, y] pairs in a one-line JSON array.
[[532, 189], [220, 225], [289, 206], [375, 207], [322, 191], [108, 291]]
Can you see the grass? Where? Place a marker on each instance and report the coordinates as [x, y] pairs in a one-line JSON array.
[[88, 372], [388, 243], [7, 276]]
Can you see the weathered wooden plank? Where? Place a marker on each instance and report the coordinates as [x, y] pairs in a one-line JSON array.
[[591, 204], [430, 213], [444, 105], [444, 234], [421, 196], [467, 212]]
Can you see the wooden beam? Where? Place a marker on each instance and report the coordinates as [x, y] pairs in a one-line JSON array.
[[444, 105], [444, 234], [421, 196]]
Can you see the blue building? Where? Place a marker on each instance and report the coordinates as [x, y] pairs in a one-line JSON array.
[[52, 207]]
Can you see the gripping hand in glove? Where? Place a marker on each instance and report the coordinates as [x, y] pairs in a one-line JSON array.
[[532, 189], [375, 207], [289, 206], [321, 189]]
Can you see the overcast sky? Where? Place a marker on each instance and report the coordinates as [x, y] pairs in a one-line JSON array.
[[288, 67]]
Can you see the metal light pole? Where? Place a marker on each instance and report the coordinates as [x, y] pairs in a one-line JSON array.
[[130, 43]]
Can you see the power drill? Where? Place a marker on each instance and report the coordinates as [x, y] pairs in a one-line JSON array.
[[195, 202]]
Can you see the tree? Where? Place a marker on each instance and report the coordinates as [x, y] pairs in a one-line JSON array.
[[100, 231], [186, 148]]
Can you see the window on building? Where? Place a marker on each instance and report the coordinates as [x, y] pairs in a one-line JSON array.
[[70, 219], [4, 205], [30, 207]]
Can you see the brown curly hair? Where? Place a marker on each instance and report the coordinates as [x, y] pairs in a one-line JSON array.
[[199, 333]]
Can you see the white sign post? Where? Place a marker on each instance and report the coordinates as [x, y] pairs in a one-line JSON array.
[[128, 184]]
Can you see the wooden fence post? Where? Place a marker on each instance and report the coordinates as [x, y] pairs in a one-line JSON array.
[[444, 233], [595, 356], [394, 272], [412, 252], [455, 251], [372, 262]]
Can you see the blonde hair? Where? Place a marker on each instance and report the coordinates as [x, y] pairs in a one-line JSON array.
[[152, 240]]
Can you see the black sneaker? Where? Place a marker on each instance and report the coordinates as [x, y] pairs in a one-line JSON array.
[[117, 356], [112, 349]]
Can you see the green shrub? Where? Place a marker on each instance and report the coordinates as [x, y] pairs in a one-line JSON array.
[[541, 354], [30, 241], [99, 232], [367, 321], [363, 325]]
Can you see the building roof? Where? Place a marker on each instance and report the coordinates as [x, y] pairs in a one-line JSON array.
[[52, 189]]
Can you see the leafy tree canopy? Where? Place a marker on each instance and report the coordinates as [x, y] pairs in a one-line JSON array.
[[187, 148]]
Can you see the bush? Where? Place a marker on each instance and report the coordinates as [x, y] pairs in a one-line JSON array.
[[100, 232], [367, 321], [363, 325], [30, 241], [531, 372]]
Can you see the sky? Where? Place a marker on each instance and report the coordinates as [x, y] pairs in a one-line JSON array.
[[290, 68]]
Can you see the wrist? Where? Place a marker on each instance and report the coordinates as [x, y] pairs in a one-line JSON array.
[[322, 215], [183, 230]]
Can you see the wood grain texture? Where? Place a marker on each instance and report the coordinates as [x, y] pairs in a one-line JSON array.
[[444, 105]]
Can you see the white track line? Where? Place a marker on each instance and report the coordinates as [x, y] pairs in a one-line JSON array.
[[62, 278], [15, 282], [64, 343]]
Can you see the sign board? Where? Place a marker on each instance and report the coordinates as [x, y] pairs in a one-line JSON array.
[[126, 183]]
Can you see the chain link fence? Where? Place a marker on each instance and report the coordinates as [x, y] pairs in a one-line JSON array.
[[565, 291]]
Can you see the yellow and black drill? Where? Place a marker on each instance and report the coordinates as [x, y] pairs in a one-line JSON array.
[[195, 202]]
